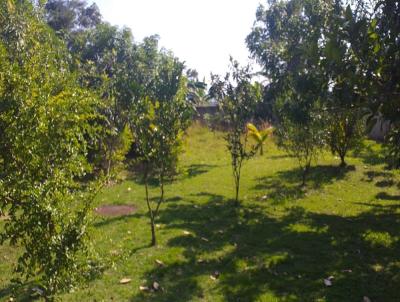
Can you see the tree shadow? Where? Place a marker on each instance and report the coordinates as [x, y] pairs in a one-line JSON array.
[[22, 291], [386, 196], [197, 169], [287, 184], [370, 156], [260, 256]]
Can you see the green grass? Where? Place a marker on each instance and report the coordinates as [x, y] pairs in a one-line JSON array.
[[278, 246]]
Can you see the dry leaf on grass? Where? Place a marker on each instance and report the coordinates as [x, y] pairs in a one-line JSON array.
[[144, 288], [159, 262], [328, 281], [366, 299], [125, 281], [156, 286], [186, 233], [215, 275], [204, 239]]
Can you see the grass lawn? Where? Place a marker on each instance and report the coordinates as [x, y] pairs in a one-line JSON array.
[[279, 245]]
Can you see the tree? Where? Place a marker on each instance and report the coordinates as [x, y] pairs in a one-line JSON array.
[[344, 103], [375, 41], [196, 89], [158, 128], [67, 16], [158, 119], [285, 40], [237, 97], [47, 124]]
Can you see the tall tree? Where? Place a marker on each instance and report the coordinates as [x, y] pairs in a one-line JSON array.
[[285, 40]]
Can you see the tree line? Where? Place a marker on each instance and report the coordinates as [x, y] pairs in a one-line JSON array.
[[332, 70]]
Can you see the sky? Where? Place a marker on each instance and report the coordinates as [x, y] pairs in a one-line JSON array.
[[202, 33]]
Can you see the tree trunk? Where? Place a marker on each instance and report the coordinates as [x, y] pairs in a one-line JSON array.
[[304, 176], [342, 161], [151, 214], [153, 233]]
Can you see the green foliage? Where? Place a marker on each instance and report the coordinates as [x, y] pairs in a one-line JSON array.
[[157, 127], [345, 131], [237, 98], [286, 41], [303, 141], [47, 125]]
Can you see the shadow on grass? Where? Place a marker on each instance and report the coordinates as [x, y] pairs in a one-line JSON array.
[[287, 184], [197, 169], [22, 291], [386, 196], [371, 156], [262, 257]]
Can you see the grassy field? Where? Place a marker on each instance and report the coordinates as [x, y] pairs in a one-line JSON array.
[[279, 245]]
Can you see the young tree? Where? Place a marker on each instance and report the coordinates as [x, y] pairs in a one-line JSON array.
[[237, 98], [46, 126], [344, 103], [157, 122]]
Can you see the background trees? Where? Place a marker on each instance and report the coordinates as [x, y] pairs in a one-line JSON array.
[[329, 61]]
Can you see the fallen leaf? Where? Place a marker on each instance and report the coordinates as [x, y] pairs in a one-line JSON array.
[[204, 239], [221, 231], [186, 233], [265, 197], [144, 288], [125, 281], [160, 263], [215, 275], [328, 281], [347, 271], [156, 286], [366, 299]]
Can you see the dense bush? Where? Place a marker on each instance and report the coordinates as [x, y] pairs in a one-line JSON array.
[[47, 123]]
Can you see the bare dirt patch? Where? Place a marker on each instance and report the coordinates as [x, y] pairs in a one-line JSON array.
[[115, 210]]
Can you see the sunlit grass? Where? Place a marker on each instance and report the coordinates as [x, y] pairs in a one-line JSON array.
[[278, 246]]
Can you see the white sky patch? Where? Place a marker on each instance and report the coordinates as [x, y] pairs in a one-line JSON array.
[[202, 33]]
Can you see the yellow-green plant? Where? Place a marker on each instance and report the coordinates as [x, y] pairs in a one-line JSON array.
[[260, 136]]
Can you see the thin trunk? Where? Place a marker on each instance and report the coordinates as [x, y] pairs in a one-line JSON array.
[[151, 214], [342, 161], [304, 176], [237, 187]]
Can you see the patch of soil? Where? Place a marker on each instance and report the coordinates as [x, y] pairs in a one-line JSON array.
[[115, 210]]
